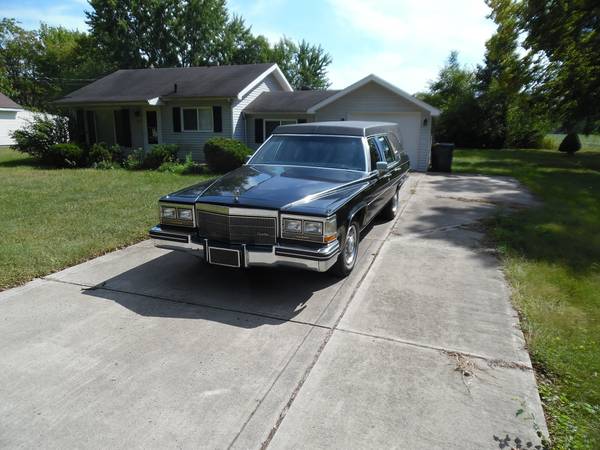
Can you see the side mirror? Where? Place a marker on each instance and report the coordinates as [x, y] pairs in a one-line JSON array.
[[382, 167]]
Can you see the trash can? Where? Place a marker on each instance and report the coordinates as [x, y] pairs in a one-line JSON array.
[[441, 157]]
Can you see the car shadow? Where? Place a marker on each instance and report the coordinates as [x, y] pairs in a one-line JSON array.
[[174, 284]]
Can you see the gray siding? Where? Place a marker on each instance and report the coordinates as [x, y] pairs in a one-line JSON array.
[[192, 141], [237, 119], [250, 136], [368, 98]]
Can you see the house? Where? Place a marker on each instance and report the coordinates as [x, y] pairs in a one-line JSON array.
[[12, 117], [189, 105]]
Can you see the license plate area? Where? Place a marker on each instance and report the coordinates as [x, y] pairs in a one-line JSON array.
[[224, 257]]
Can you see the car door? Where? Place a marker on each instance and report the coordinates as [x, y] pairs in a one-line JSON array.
[[378, 181], [391, 177]]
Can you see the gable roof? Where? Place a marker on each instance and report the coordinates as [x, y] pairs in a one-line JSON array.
[[287, 102], [140, 85], [7, 103], [375, 79]]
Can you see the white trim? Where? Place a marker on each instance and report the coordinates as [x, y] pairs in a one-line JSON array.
[[374, 78], [278, 75], [275, 119], [197, 130], [12, 109]]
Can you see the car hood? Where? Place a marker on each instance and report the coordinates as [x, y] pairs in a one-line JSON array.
[[308, 190]]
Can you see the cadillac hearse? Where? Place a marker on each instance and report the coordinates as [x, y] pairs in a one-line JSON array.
[[301, 200]]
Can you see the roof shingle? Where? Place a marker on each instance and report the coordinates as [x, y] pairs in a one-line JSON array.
[[287, 102], [142, 84], [6, 102]]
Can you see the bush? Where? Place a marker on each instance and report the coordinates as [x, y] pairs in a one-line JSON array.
[[223, 155], [100, 152], [38, 136], [162, 153], [570, 144], [64, 155], [185, 168], [135, 160]]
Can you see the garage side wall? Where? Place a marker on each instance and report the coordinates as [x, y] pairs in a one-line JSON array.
[[374, 102]]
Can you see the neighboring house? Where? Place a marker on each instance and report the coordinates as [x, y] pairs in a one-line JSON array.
[[12, 117], [187, 106]]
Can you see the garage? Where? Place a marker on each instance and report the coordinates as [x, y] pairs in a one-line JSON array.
[[408, 125], [371, 98]]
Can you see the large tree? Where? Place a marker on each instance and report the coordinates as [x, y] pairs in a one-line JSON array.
[[563, 36]]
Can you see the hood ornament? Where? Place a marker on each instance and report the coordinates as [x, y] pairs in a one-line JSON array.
[[236, 195]]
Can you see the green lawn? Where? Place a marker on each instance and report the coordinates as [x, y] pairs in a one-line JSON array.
[[552, 259], [588, 142], [51, 219]]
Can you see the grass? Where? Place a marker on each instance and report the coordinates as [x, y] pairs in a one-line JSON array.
[[588, 142], [53, 219], [551, 255]]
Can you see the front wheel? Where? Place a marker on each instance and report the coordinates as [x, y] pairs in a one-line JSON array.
[[349, 252]]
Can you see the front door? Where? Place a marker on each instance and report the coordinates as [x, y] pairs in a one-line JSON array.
[[152, 134]]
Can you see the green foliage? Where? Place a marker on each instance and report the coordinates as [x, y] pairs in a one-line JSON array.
[[135, 160], [39, 66], [570, 144], [170, 33], [223, 155], [159, 154], [99, 152], [40, 134], [563, 39], [185, 168], [64, 155]]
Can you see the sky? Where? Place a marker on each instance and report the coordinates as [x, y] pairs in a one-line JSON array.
[[402, 41]]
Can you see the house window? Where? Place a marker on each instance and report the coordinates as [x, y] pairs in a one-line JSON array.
[[197, 119], [271, 124]]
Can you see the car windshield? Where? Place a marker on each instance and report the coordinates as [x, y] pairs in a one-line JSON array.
[[334, 152]]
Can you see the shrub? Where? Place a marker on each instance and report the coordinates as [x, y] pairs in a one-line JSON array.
[[162, 153], [38, 136], [64, 155], [105, 165], [223, 155], [570, 144], [185, 168], [135, 160], [98, 153]]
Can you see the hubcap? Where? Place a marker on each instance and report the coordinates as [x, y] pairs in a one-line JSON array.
[[395, 203], [350, 246]]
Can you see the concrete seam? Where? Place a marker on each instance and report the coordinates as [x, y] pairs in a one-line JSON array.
[[326, 340], [495, 361]]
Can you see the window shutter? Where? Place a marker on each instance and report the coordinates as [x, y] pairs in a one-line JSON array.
[[258, 131], [217, 119], [177, 120]]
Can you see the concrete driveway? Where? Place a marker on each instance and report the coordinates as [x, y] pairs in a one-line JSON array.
[[418, 348]]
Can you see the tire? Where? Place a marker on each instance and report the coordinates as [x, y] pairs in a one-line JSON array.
[[349, 252], [390, 210]]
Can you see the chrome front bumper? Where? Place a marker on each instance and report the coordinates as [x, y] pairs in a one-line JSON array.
[[320, 260]]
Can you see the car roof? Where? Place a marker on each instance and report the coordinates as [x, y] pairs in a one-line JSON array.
[[339, 128]]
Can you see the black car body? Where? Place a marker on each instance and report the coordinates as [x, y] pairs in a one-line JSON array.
[[301, 200]]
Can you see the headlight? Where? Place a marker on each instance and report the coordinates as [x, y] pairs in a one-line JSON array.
[[292, 226], [167, 213], [184, 214], [312, 227]]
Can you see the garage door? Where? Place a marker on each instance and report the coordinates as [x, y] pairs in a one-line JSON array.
[[408, 123]]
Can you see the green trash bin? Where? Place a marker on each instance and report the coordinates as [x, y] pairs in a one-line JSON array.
[[441, 157]]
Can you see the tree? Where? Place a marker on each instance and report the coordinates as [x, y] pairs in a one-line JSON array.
[[309, 70], [454, 93], [563, 36]]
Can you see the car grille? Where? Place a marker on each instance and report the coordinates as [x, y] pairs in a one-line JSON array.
[[237, 229]]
